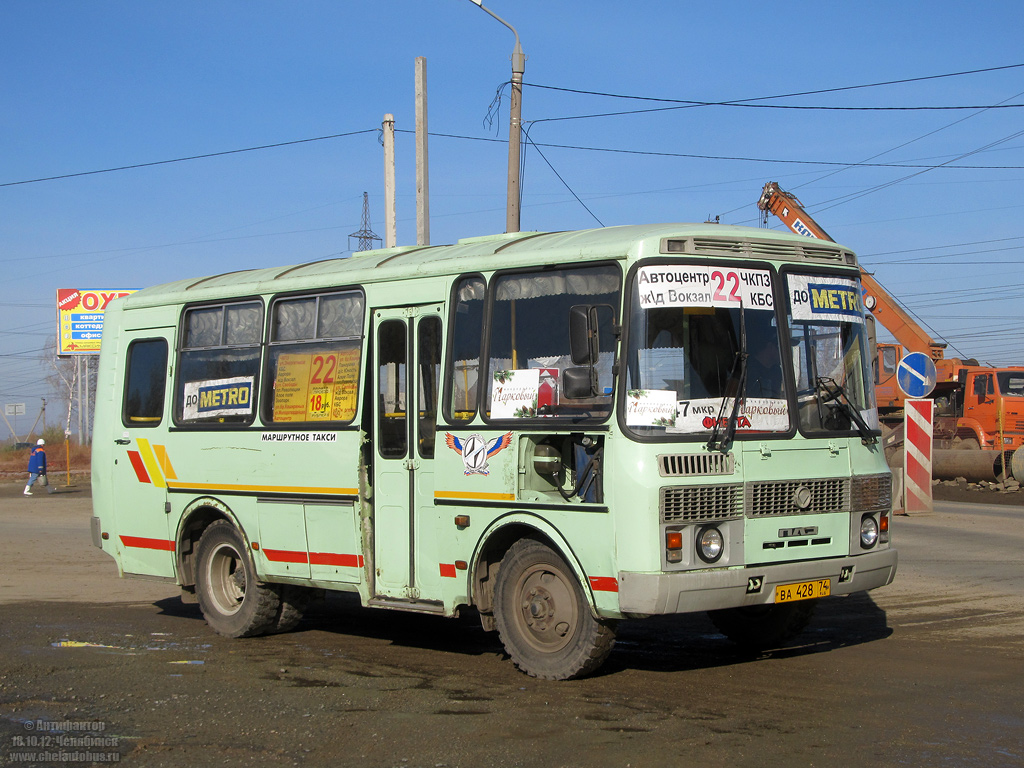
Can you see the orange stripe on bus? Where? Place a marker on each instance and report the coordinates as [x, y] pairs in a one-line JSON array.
[[474, 496], [262, 488], [164, 461], [447, 570]]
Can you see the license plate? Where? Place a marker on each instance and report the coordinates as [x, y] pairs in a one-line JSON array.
[[804, 590]]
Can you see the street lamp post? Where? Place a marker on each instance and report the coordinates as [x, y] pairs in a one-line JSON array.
[[514, 125]]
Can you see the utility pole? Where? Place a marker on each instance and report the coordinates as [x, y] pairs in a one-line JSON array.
[[390, 227], [422, 175], [514, 126], [78, 375]]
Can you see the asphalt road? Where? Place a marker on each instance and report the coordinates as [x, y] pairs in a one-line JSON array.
[[925, 672]]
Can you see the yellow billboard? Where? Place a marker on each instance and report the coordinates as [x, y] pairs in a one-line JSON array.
[[80, 319]]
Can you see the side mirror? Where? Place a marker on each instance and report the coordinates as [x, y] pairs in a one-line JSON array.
[[578, 383], [584, 346]]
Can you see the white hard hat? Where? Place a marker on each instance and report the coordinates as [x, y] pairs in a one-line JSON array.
[[40, 441]]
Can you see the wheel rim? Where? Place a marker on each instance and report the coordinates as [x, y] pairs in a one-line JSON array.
[[226, 577], [548, 609]]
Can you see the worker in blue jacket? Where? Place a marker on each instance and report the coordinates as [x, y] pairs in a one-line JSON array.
[[37, 467]]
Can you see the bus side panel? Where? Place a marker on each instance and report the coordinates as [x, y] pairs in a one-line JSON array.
[[130, 468], [293, 499], [103, 448]]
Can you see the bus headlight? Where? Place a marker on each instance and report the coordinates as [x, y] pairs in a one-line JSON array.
[[868, 532], [710, 544]]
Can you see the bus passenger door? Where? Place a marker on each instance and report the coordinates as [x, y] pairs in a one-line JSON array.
[[406, 378], [141, 464]]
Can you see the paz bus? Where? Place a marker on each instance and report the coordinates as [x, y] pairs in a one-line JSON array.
[[559, 430]]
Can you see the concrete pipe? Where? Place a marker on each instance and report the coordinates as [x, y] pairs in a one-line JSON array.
[[975, 466], [1017, 465]]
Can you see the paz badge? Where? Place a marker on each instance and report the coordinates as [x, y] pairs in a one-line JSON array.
[[475, 451]]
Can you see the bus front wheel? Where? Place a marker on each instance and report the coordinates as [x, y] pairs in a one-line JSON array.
[[233, 601], [759, 627], [543, 617]]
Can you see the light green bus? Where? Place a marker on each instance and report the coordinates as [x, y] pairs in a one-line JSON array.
[[559, 430]]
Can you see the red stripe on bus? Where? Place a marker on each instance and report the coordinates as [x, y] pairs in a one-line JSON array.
[[448, 570], [604, 583], [286, 556], [139, 542], [332, 558], [138, 466]]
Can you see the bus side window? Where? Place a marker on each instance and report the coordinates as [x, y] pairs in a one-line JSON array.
[[391, 356], [219, 363], [312, 368], [145, 383], [429, 357], [467, 321], [528, 327]]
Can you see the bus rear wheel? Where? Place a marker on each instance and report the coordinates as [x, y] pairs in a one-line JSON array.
[[759, 627], [294, 602], [233, 601], [543, 617]]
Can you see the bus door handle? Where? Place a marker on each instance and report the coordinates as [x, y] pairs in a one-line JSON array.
[[122, 441]]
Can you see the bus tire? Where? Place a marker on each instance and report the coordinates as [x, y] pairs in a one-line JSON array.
[[759, 627], [233, 601], [543, 617], [294, 602]]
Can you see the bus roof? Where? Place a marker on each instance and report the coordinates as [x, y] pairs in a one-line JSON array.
[[478, 254]]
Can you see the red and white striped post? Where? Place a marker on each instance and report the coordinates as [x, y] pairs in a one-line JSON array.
[[917, 457]]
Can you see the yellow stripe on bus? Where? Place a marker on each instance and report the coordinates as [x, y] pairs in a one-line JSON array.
[[474, 496], [262, 488], [146, 451]]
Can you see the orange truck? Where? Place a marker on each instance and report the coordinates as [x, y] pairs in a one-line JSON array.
[[975, 406]]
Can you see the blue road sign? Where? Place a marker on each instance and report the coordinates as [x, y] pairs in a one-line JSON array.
[[916, 375]]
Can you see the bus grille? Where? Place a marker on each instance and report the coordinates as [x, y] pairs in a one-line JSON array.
[[797, 497], [701, 502], [755, 248], [694, 464]]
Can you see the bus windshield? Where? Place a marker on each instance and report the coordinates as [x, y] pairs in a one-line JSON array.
[[692, 350], [828, 346]]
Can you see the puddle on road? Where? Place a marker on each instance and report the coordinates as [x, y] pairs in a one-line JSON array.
[[158, 641]]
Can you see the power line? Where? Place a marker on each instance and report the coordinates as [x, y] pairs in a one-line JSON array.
[[564, 182], [779, 96], [691, 156], [184, 159]]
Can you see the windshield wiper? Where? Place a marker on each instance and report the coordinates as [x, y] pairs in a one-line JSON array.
[[738, 374], [830, 390]]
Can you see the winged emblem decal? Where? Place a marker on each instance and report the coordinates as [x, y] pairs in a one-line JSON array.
[[475, 451]]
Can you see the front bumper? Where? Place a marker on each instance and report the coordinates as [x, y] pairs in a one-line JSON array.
[[690, 591]]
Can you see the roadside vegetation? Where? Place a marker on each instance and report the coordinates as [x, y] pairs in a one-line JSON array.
[[14, 456]]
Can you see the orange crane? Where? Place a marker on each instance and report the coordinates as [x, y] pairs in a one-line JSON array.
[[976, 406]]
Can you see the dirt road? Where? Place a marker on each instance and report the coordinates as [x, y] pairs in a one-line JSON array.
[[925, 672]]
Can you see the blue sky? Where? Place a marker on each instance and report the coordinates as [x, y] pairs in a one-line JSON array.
[[88, 86]]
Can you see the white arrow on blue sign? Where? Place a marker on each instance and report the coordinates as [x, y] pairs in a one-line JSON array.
[[916, 375]]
